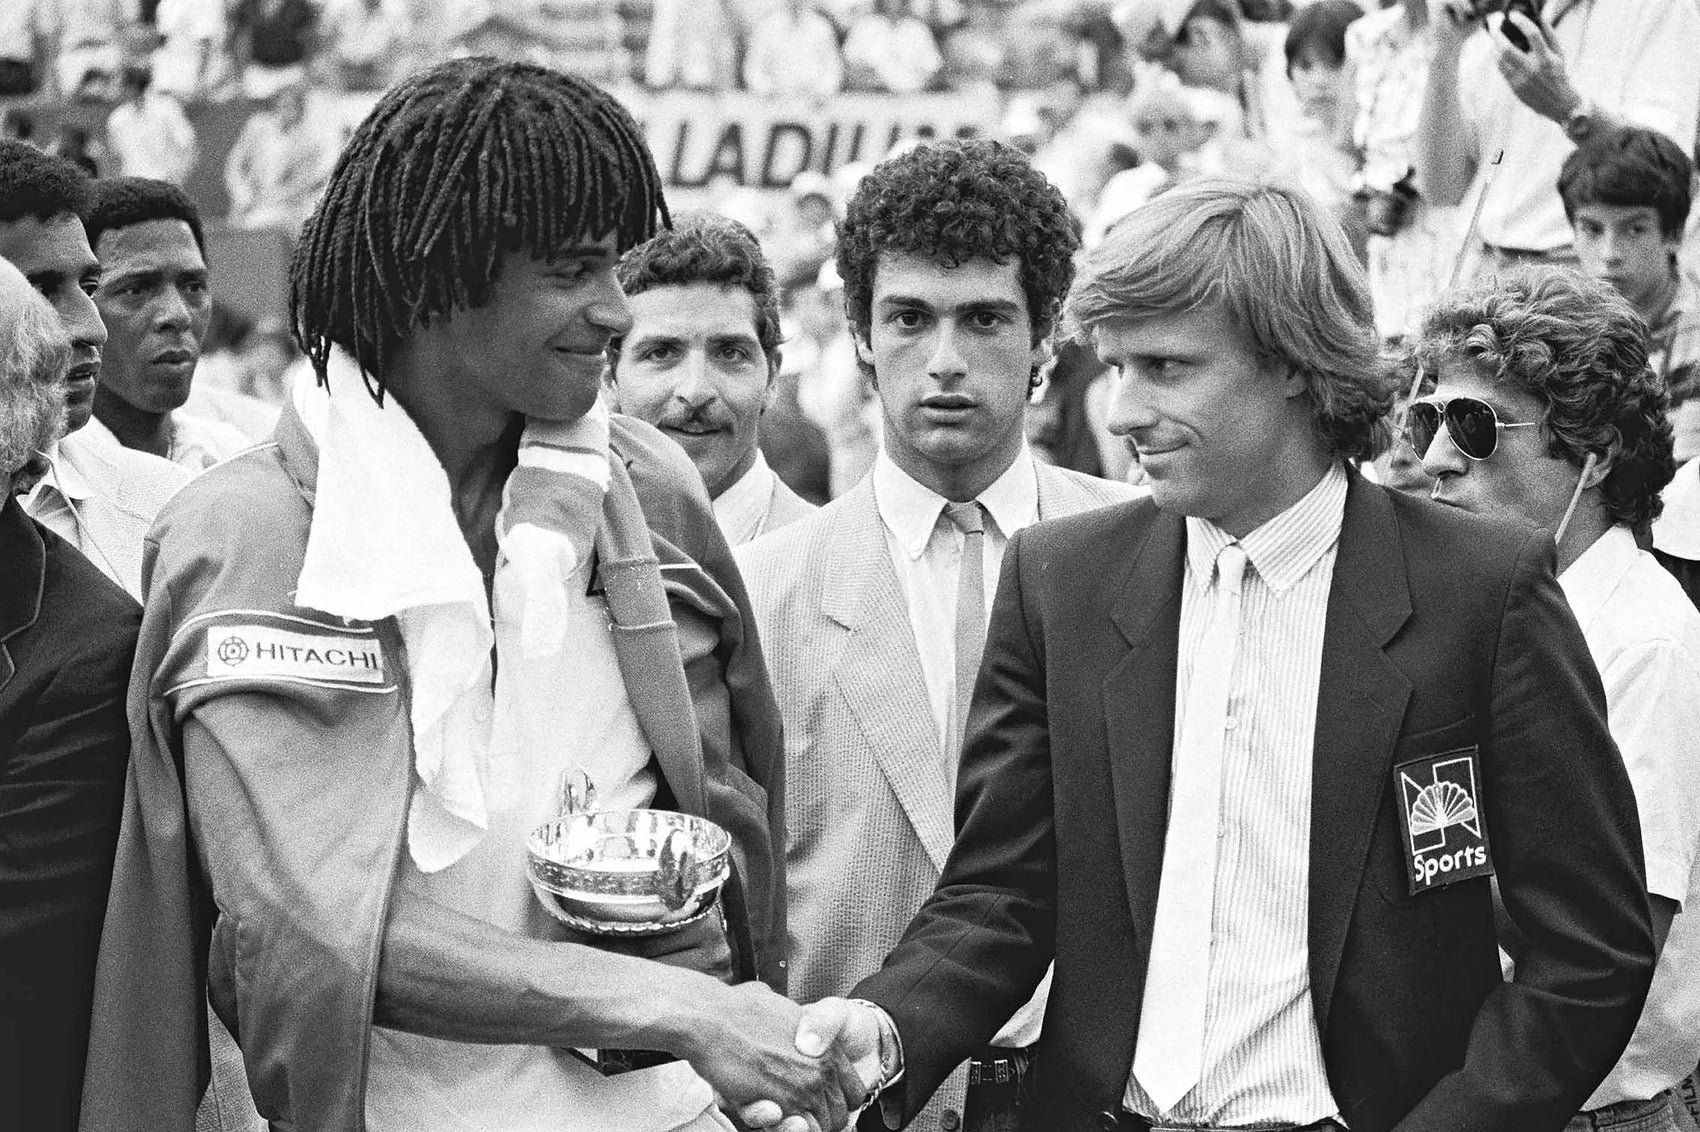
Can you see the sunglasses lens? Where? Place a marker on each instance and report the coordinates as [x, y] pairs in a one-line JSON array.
[[1473, 426], [1422, 421]]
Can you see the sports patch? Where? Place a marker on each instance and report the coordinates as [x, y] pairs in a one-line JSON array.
[[1440, 812], [262, 651]]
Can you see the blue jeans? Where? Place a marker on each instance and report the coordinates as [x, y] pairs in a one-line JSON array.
[[1664, 1113]]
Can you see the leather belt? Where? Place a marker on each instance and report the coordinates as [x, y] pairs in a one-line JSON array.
[[997, 1065]]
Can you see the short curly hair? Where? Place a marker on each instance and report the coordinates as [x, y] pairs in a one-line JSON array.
[[704, 247], [955, 201], [1267, 254], [1581, 351], [39, 186]]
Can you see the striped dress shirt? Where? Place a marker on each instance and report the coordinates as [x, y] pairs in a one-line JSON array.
[[1262, 1052]]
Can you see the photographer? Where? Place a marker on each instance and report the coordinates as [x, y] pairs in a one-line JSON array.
[[1566, 73]]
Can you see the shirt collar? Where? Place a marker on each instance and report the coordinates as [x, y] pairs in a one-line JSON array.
[[1589, 581], [911, 511], [66, 478], [741, 508], [1285, 547]]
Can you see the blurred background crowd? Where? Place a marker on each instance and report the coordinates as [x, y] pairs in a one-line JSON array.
[[770, 111]]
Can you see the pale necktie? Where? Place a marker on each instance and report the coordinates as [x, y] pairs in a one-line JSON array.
[[970, 616], [1170, 1056]]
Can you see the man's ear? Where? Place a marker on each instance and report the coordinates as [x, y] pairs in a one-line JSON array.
[[1293, 383], [774, 357], [1603, 464], [864, 348]]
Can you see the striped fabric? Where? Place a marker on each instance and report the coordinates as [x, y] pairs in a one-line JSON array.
[[1262, 1053]]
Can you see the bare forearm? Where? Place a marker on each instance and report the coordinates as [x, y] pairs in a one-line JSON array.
[[448, 975], [1445, 166]]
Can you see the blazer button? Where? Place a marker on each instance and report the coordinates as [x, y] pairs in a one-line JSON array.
[[950, 1120], [1108, 1121]]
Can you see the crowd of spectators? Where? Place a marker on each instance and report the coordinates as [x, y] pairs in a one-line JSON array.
[[1390, 116]]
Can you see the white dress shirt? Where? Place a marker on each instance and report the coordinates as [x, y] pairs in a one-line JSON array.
[[1644, 636], [741, 510], [1262, 1052], [926, 553], [102, 497]]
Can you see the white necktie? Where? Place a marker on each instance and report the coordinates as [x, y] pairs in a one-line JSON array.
[[1169, 1059]]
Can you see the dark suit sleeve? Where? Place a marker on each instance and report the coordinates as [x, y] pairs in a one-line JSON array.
[[1566, 844], [979, 946], [61, 792]]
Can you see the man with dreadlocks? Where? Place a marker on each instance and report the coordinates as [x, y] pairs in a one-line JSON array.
[[375, 649]]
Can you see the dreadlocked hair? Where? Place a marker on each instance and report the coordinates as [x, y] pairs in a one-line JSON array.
[[455, 167]]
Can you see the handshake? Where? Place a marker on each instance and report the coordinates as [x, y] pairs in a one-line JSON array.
[[790, 1068]]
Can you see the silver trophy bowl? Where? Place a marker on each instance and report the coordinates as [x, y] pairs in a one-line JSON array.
[[628, 872]]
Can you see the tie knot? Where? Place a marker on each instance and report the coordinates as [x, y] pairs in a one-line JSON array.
[[1230, 567], [967, 517]]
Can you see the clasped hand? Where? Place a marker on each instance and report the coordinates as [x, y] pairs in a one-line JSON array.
[[781, 1066]]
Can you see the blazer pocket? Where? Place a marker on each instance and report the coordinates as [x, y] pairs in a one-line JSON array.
[[1435, 740], [1389, 848]]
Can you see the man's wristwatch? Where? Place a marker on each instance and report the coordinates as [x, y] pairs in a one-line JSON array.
[[1582, 122], [891, 1049]]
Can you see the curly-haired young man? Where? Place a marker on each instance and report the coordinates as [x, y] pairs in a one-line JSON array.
[[700, 360], [955, 258], [1244, 757], [1557, 366]]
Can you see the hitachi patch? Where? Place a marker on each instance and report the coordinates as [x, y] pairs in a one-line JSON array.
[[245, 651], [1440, 812]]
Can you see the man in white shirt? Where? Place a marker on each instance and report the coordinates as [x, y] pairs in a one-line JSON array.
[[1588, 65], [148, 132], [155, 300], [955, 259], [1245, 759], [95, 494], [700, 360], [1585, 450]]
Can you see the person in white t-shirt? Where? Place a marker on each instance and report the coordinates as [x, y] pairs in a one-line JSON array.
[[1545, 409], [1577, 69]]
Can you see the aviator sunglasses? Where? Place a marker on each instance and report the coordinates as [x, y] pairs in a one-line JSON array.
[[1471, 423]]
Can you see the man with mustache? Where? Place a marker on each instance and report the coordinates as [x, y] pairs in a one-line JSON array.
[[700, 359], [95, 494], [156, 304], [955, 259]]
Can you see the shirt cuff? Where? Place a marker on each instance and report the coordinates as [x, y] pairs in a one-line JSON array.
[[890, 1067]]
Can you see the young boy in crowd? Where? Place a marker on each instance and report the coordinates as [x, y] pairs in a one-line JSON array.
[[1627, 193]]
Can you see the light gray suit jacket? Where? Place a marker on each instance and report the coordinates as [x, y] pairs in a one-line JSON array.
[[869, 810]]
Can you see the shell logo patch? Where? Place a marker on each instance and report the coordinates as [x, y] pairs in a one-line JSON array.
[[1441, 816], [264, 651]]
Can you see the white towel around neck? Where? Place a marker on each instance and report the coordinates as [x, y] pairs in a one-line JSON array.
[[384, 542]]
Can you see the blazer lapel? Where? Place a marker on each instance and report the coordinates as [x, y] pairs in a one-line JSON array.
[[880, 674], [25, 557], [1139, 712], [1361, 700]]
